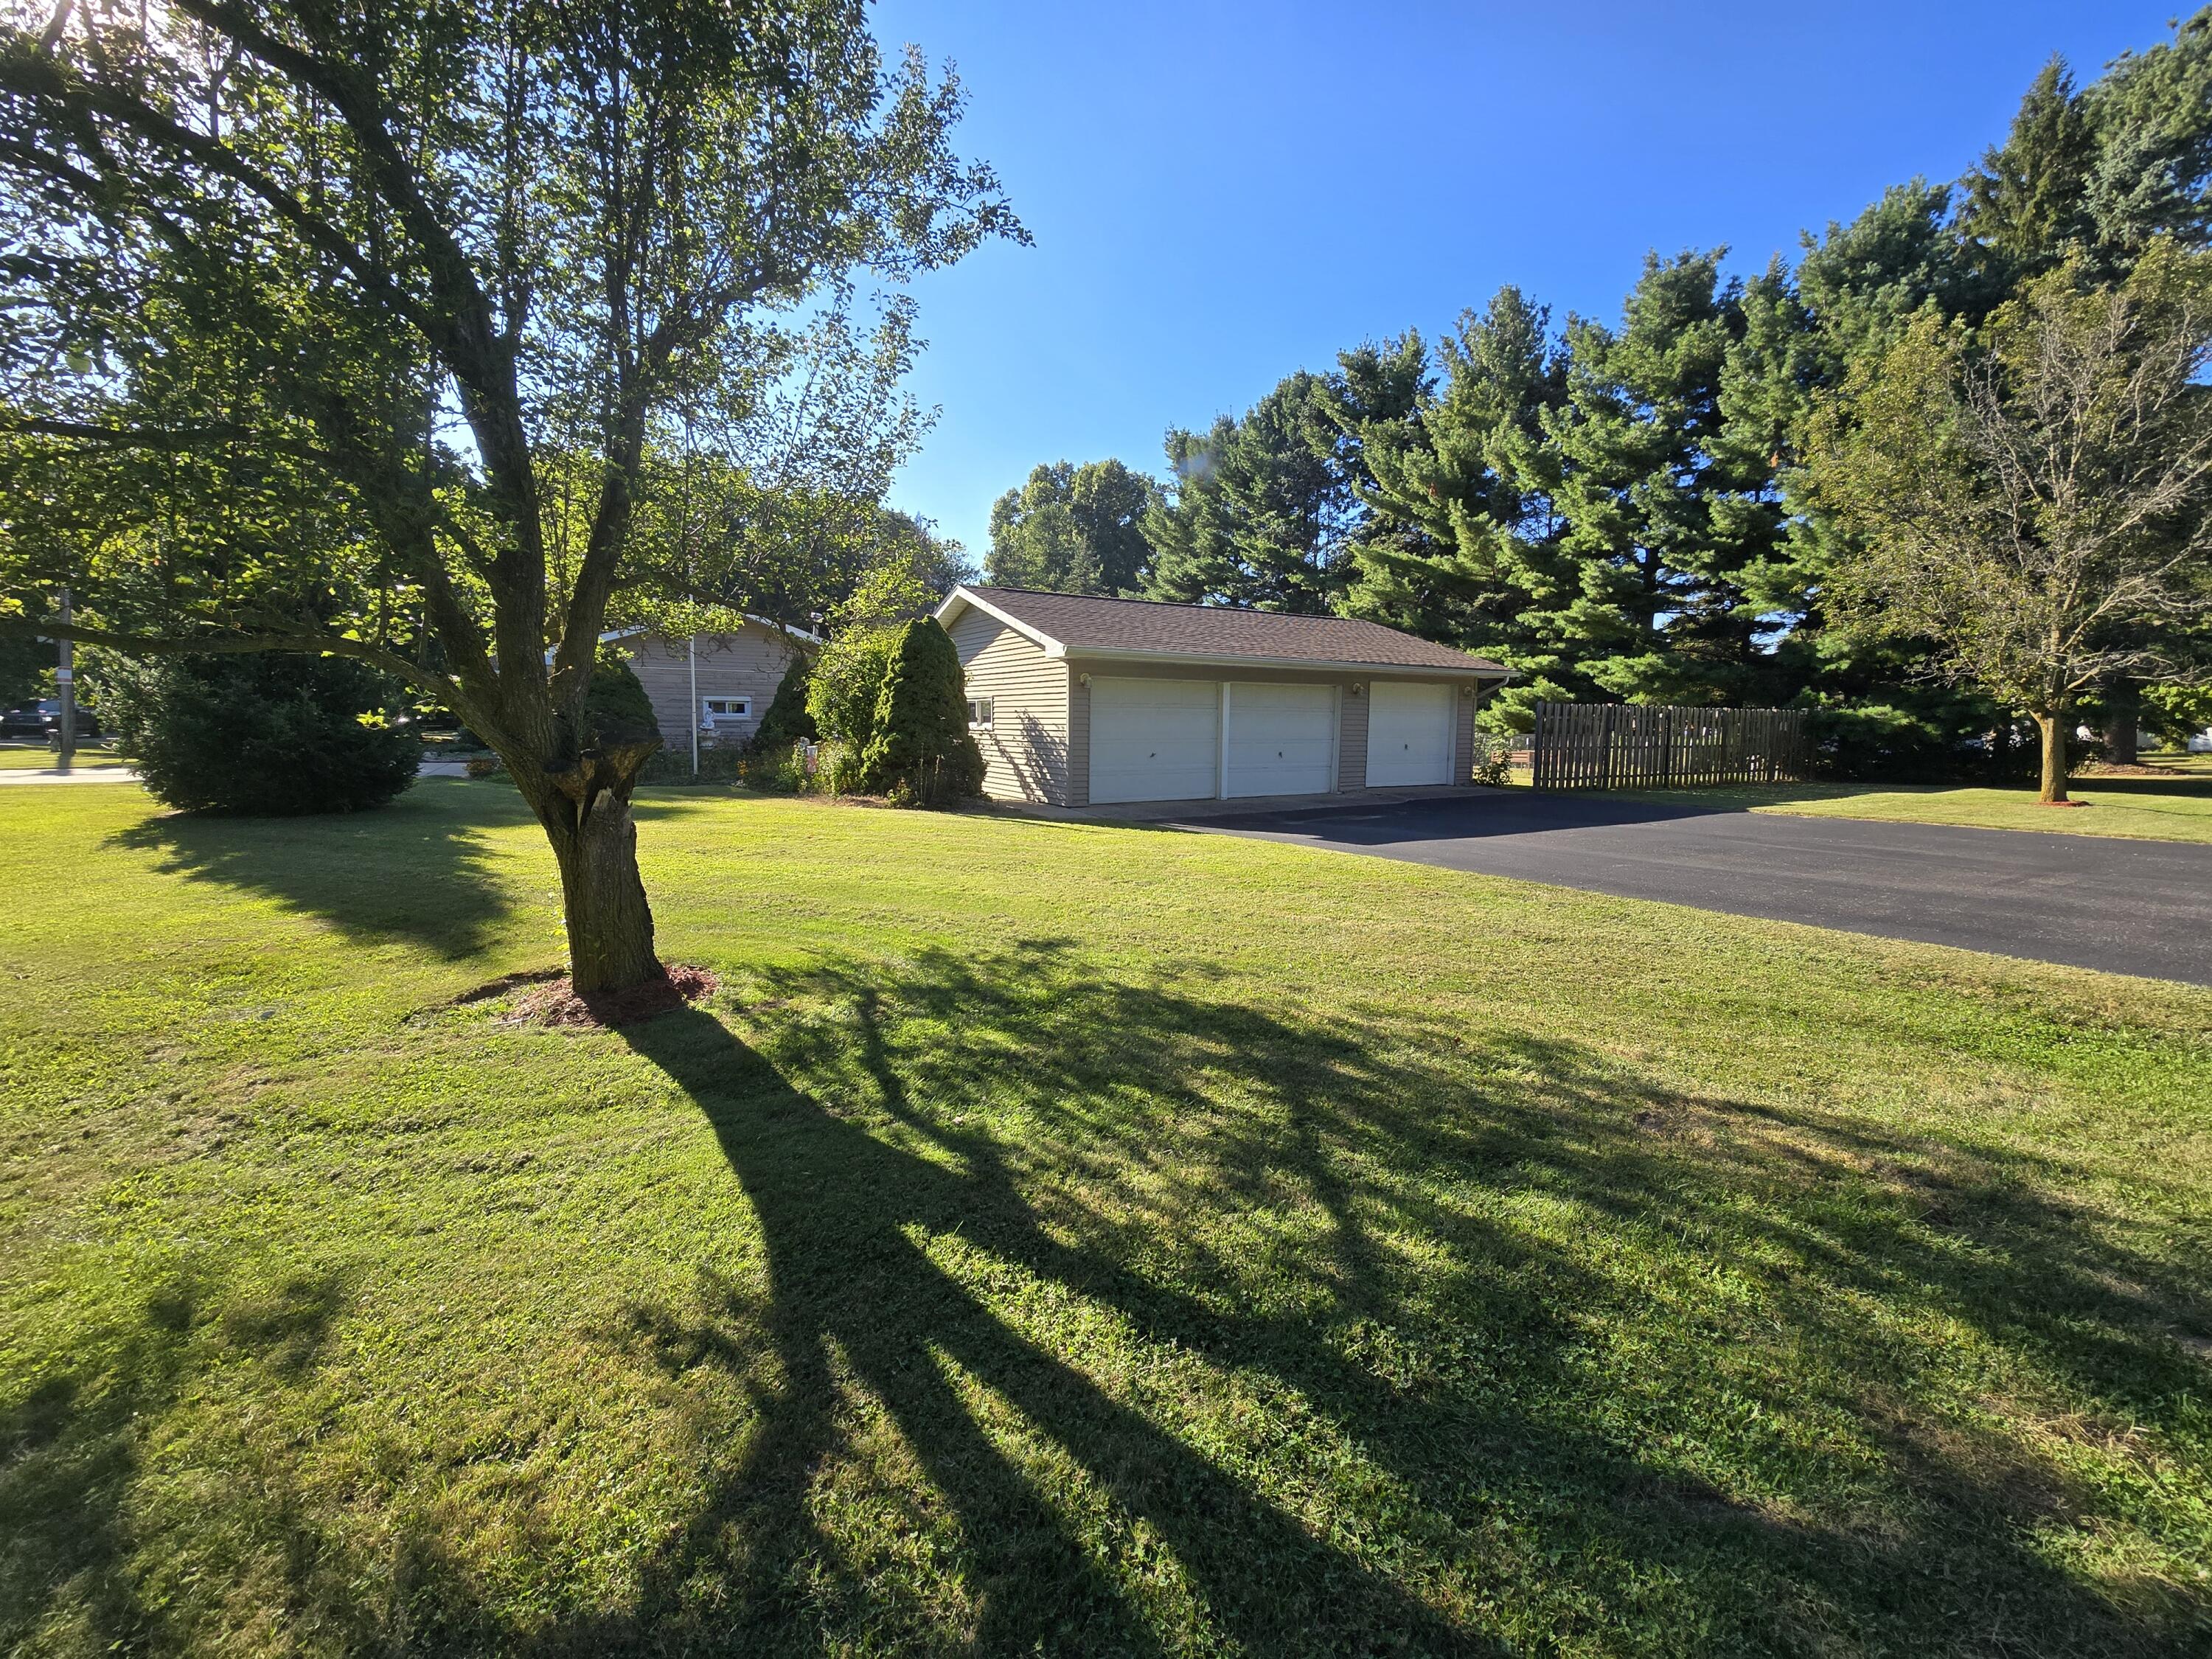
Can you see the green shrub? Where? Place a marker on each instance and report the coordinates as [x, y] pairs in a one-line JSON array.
[[717, 764], [265, 735], [919, 749], [1493, 760], [786, 721], [780, 771], [615, 702], [847, 683]]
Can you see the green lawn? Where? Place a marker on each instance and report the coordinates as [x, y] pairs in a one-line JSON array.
[[1064, 1238], [2145, 809]]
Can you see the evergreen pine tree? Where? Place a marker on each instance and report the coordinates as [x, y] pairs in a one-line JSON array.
[[1460, 541], [614, 701], [1261, 511], [2027, 206], [1660, 516]]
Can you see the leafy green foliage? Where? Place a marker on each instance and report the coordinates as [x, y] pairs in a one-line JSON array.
[[1073, 530], [919, 751], [270, 257], [846, 688], [25, 666], [263, 735]]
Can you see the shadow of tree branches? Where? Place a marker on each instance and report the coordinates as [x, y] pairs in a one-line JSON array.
[[1387, 1297], [1158, 1319], [430, 887]]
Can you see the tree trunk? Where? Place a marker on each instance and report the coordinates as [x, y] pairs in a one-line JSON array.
[[586, 814], [2123, 738], [2053, 726]]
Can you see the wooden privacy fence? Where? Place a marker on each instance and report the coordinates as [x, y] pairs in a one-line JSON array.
[[1625, 745]]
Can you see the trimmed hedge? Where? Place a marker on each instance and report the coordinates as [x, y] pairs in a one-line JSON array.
[[263, 735]]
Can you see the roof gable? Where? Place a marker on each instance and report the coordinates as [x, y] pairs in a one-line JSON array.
[[1084, 625]]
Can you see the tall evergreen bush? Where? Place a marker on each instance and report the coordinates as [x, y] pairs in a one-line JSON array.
[[787, 721], [919, 750], [616, 701]]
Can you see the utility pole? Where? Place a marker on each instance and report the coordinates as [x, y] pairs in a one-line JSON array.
[[65, 687], [691, 655]]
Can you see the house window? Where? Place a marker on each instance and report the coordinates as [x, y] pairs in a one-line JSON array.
[[979, 714], [716, 711]]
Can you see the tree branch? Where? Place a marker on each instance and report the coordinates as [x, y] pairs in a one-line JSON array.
[[179, 645]]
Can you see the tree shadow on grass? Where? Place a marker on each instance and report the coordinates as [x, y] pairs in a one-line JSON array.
[[76, 1550], [1381, 1304], [414, 871], [1158, 1320]]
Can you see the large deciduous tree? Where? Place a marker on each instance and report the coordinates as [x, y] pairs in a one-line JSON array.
[[382, 330], [1074, 529], [2034, 499]]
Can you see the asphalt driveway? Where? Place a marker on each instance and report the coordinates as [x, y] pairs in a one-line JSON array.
[[2127, 907]]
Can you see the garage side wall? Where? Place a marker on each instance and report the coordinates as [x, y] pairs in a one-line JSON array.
[[1026, 753], [1463, 708]]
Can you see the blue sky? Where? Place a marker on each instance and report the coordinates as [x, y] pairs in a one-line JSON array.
[[1222, 193]]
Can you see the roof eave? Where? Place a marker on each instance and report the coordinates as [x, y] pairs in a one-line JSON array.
[[1474, 669], [949, 611]]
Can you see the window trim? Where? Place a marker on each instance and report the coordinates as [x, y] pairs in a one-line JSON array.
[[990, 708], [710, 717]]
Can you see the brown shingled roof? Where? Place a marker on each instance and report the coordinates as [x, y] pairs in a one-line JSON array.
[[1088, 626]]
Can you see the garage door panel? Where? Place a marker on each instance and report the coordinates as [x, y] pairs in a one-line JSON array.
[[1282, 739], [1409, 734], [1154, 740]]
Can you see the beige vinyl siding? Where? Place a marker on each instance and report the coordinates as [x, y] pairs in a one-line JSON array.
[[1352, 738], [750, 663], [1026, 753], [1078, 739], [1463, 708]]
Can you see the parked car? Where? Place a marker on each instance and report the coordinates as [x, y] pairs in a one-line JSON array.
[[43, 718]]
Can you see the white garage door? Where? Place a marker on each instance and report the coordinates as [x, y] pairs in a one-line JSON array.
[[1154, 740], [1282, 739], [1409, 734]]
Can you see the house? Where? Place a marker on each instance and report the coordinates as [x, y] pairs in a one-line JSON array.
[[1080, 702], [721, 684]]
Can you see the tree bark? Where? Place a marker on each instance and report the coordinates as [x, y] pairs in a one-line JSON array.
[[585, 812], [2053, 726], [2123, 734]]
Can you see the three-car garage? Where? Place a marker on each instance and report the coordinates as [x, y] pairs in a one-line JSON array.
[[1078, 700]]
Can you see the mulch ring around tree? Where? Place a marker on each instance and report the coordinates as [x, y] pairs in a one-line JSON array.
[[545, 997]]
